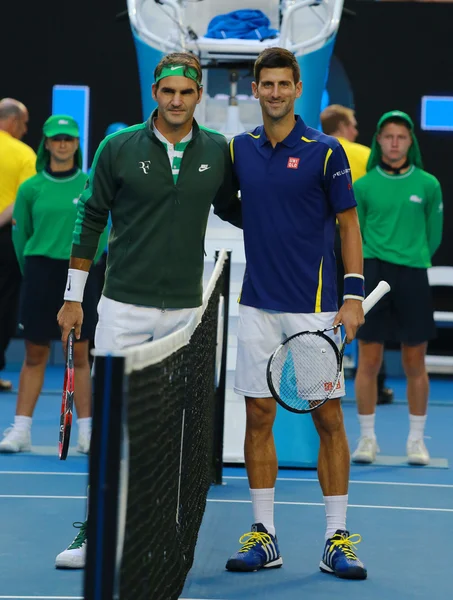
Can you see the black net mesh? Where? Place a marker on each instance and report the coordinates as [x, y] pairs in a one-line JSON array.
[[170, 426]]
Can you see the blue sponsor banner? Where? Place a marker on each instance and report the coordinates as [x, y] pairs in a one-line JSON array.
[[437, 113]]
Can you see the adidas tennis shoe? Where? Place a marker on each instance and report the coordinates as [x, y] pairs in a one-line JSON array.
[[417, 453], [75, 554], [17, 439], [259, 550], [339, 556], [366, 451]]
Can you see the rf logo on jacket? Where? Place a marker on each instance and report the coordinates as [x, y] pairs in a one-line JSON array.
[[144, 166]]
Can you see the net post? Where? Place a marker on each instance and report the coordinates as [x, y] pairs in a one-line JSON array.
[[104, 479], [219, 412]]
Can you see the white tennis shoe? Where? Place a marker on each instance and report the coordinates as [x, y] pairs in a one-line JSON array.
[[75, 554], [366, 450], [417, 453], [17, 439]]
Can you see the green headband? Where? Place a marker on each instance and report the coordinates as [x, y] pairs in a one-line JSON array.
[[179, 71]]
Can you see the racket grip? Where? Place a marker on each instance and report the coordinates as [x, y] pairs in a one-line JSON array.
[[379, 291]]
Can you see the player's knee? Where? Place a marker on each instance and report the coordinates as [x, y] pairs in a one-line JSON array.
[[328, 419], [413, 359], [36, 355], [260, 413], [81, 355], [370, 365]]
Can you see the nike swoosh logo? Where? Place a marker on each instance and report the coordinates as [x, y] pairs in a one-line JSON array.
[[174, 68], [201, 169], [69, 285]]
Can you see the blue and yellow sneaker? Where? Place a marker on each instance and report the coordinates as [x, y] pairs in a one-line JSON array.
[[339, 557], [259, 550]]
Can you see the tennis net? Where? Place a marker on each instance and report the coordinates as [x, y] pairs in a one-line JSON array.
[[156, 448]]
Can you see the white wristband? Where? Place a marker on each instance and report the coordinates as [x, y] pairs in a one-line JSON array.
[[75, 285]]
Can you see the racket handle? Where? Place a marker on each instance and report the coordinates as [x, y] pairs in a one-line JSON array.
[[379, 291]]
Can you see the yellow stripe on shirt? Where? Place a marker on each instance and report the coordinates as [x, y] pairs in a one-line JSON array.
[[319, 290], [232, 150], [328, 155]]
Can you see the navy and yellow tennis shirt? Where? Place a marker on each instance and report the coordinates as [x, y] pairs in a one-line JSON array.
[[290, 197]]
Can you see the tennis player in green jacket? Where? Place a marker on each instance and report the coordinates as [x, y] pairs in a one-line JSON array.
[[158, 181]]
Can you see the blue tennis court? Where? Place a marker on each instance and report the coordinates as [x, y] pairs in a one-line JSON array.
[[404, 514]]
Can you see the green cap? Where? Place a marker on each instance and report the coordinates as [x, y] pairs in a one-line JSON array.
[[413, 156], [57, 125], [179, 71], [61, 124]]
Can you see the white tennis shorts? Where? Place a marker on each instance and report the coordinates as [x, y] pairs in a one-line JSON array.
[[259, 334], [122, 325]]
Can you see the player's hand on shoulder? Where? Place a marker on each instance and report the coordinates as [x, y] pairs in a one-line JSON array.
[[70, 316], [352, 317]]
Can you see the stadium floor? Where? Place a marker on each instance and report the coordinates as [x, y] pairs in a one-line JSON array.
[[404, 514]]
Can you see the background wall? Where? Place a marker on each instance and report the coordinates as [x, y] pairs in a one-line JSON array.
[[388, 56], [393, 54], [73, 43]]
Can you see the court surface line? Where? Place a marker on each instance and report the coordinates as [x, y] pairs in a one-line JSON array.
[[36, 497], [42, 473], [420, 508], [359, 481], [376, 506], [242, 477]]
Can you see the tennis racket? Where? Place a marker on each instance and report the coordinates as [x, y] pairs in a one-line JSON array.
[[67, 400], [304, 371]]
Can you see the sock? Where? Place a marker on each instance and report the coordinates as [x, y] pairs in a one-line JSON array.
[[84, 425], [367, 425], [417, 427], [263, 507], [22, 423], [336, 507]]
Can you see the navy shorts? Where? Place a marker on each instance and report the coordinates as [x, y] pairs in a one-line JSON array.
[[405, 314], [41, 298]]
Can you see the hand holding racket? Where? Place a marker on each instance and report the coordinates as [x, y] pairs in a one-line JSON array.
[[67, 400], [304, 372]]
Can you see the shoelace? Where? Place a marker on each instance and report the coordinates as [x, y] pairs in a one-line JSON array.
[[366, 444], [250, 539], [81, 536], [347, 544]]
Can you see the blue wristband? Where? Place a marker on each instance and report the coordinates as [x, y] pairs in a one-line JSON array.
[[354, 287]]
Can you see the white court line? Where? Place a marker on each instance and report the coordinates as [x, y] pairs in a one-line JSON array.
[[306, 479], [41, 597], [41, 498], [362, 482], [421, 508], [41, 473]]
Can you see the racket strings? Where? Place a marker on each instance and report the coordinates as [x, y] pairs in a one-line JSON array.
[[305, 371]]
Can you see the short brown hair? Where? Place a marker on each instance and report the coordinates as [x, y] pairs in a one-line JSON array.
[[335, 115], [185, 59], [276, 58]]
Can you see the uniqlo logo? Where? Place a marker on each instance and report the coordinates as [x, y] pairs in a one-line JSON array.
[[293, 163]]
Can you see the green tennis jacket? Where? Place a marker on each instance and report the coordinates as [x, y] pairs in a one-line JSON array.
[[156, 242]]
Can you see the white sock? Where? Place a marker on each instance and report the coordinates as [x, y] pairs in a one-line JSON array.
[[417, 427], [22, 423], [336, 507], [84, 425], [367, 425], [263, 507]]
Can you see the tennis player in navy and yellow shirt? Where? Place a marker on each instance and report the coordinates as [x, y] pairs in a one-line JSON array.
[[294, 181]]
